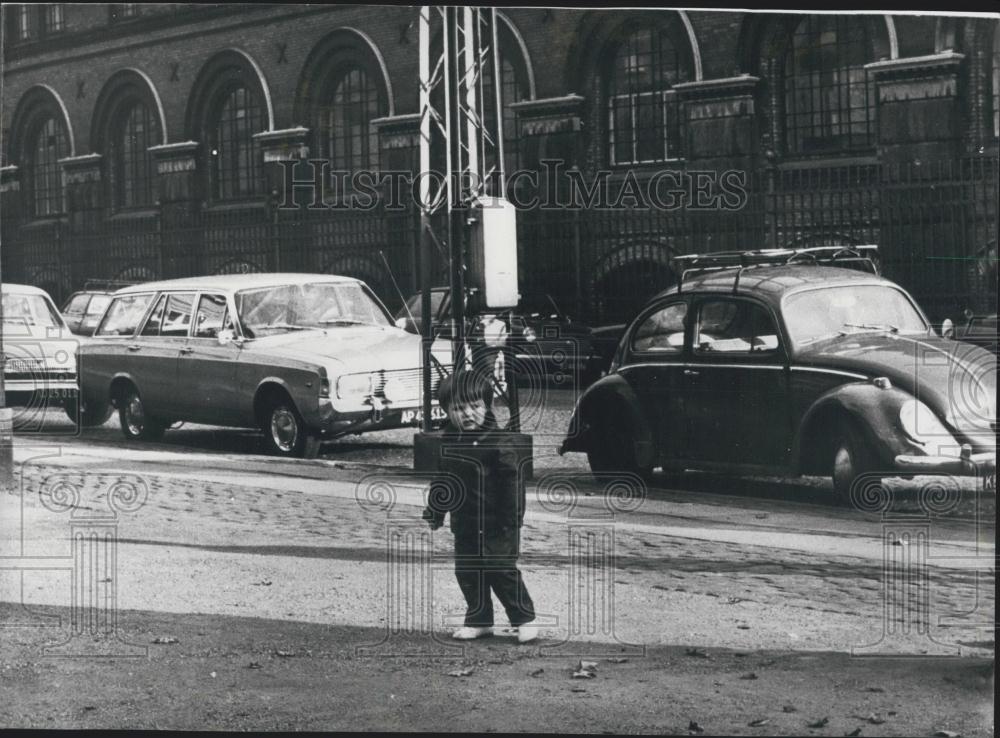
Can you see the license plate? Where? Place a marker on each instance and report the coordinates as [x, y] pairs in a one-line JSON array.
[[417, 416], [58, 394]]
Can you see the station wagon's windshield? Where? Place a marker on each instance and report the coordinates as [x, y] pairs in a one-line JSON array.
[[271, 310], [830, 312]]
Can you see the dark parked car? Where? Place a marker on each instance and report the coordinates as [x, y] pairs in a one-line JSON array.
[[83, 310], [790, 368], [979, 330], [544, 338]]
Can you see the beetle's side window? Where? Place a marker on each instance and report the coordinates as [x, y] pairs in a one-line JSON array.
[[211, 317], [662, 331], [124, 315], [152, 326], [734, 326]]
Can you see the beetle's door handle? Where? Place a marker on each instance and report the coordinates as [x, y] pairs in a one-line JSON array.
[[691, 373], [187, 350], [134, 347]]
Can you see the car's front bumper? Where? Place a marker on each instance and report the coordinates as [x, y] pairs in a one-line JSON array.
[[31, 391], [967, 463]]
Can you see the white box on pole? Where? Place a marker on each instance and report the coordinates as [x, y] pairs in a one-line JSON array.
[[493, 254]]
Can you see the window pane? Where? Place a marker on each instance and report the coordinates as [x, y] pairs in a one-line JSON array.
[[236, 171], [124, 315], [211, 316], [152, 326], [663, 331], [733, 326], [348, 137], [829, 103], [45, 172], [131, 164], [645, 68], [177, 316]]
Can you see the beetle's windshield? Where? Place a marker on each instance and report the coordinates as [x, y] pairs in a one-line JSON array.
[[29, 311], [829, 312], [270, 310]]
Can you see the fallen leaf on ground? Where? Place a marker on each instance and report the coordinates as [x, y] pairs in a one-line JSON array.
[[88, 708], [757, 723], [854, 733], [253, 665], [264, 583], [536, 672], [742, 626], [789, 708], [821, 723], [587, 666], [212, 675], [696, 652], [165, 640], [284, 654], [583, 675], [617, 661], [695, 728], [750, 675], [875, 689], [461, 672], [733, 600], [578, 689], [875, 719], [947, 734]]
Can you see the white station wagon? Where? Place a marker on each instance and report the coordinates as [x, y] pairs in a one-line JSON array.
[[304, 357]]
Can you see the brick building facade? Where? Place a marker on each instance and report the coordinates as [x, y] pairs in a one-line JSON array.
[[142, 141]]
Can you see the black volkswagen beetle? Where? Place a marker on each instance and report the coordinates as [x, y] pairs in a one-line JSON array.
[[759, 364]]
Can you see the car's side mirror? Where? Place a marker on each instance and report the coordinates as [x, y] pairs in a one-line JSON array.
[[407, 324], [401, 323], [947, 329]]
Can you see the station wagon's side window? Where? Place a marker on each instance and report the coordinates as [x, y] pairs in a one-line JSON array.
[[212, 316], [152, 326], [177, 315], [124, 315], [663, 331], [734, 326], [77, 305]]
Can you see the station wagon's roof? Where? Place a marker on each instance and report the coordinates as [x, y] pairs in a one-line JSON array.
[[770, 283], [234, 282], [23, 289]]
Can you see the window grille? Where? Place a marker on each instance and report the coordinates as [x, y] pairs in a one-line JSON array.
[[53, 18], [45, 176], [829, 99], [644, 121], [234, 154], [131, 164], [348, 139]]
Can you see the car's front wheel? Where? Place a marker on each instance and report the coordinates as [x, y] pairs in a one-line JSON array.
[[136, 422], [852, 458], [285, 433], [613, 448]]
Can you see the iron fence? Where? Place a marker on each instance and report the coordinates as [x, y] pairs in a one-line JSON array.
[[935, 223]]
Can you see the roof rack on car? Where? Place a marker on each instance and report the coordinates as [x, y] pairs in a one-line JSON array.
[[108, 284], [864, 255]]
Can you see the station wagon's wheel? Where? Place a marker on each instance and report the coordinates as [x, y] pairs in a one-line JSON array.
[[613, 449], [136, 423], [89, 415], [852, 457], [285, 433]]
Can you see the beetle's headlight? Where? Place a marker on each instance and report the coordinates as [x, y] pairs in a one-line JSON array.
[[923, 427], [354, 385], [529, 334]]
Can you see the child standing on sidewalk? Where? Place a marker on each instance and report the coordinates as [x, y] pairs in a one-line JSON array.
[[486, 518]]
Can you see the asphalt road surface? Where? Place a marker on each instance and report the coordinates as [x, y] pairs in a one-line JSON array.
[[241, 591]]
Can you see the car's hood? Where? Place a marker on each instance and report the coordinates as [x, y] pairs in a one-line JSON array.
[[352, 349], [956, 379], [41, 346]]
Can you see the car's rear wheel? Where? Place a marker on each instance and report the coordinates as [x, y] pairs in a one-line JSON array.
[[136, 422], [89, 415], [285, 433], [613, 449], [852, 458]]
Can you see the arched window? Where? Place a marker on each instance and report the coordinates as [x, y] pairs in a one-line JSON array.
[[829, 100], [644, 123], [234, 157], [513, 88], [130, 165], [345, 113], [43, 171]]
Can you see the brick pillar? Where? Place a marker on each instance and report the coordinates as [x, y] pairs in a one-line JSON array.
[[85, 211], [290, 234], [722, 136], [181, 192]]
